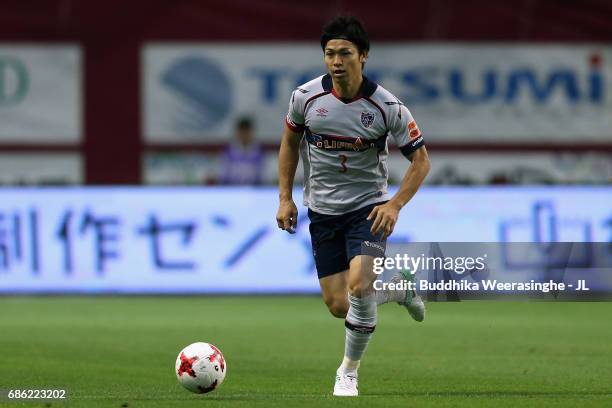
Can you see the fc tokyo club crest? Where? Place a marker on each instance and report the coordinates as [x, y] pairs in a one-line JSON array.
[[367, 118]]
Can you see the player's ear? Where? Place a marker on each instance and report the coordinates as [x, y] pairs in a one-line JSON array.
[[363, 57]]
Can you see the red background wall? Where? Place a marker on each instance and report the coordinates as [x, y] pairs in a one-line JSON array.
[[112, 32]]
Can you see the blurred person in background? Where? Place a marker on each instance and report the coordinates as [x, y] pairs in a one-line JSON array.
[[242, 161]]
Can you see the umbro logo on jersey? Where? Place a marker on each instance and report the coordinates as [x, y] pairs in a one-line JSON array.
[[367, 118], [322, 112]]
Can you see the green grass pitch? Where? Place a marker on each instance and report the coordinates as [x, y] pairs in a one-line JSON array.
[[283, 352]]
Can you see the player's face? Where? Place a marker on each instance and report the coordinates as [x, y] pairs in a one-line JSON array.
[[343, 60]]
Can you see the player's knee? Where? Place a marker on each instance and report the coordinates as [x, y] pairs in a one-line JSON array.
[[339, 310], [337, 307], [359, 288]]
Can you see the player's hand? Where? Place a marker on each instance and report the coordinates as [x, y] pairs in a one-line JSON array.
[[384, 217], [286, 217]]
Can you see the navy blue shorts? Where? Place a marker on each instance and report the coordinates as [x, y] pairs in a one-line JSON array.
[[336, 239]]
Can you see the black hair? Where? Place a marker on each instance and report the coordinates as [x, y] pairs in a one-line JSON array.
[[244, 123], [346, 28]]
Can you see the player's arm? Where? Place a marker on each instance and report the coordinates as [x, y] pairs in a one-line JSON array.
[[385, 216], [288, 158], [416, 173]]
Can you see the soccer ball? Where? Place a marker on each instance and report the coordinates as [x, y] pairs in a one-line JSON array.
[[200, 367]]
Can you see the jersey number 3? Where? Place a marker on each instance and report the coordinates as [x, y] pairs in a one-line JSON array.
[[343, 160]]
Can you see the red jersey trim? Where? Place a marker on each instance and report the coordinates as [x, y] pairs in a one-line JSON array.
[[294, 126]]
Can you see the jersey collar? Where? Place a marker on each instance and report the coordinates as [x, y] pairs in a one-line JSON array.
[[367, 88]]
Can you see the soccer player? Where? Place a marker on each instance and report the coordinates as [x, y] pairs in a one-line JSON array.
[[339, 123]]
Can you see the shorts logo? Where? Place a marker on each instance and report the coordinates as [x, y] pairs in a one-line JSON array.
[[322, 112], [367, 118], [374, 245]]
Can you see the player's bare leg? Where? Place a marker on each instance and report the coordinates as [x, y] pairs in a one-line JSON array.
[[360, 323], [334, 290]]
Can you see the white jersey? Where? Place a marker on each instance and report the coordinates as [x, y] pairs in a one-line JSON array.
[[344, 144]]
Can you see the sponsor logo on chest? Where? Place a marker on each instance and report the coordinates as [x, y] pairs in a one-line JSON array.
[[357, 145]]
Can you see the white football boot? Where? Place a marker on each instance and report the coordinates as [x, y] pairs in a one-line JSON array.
[[413, 302], [346, 384]]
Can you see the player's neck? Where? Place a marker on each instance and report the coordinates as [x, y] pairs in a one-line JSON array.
[[348, 89]]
